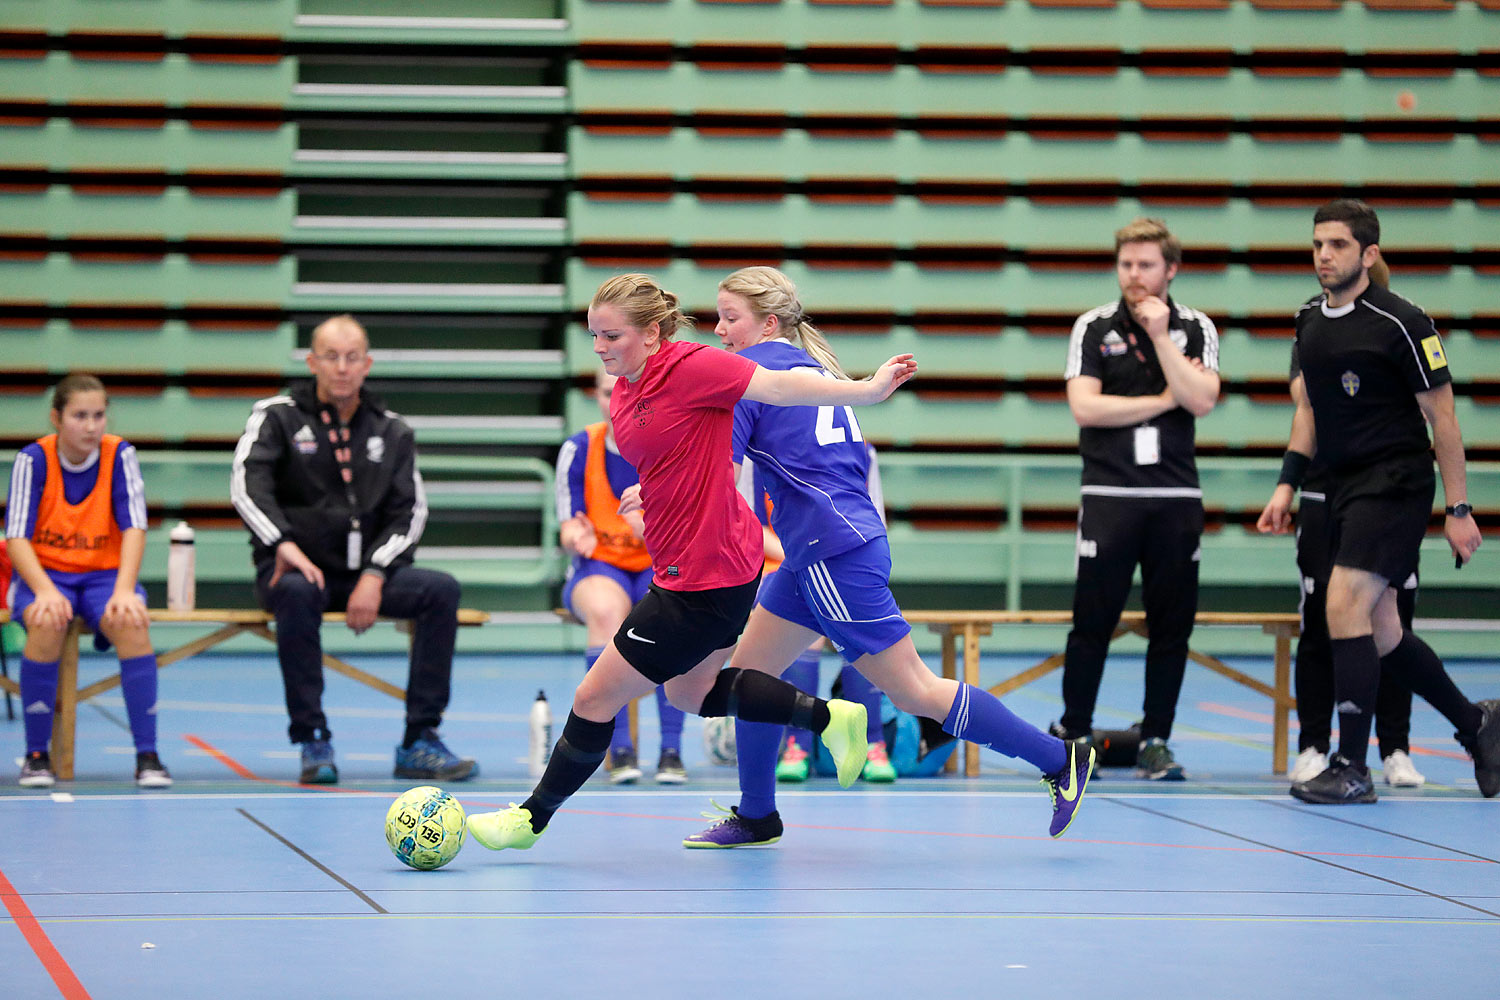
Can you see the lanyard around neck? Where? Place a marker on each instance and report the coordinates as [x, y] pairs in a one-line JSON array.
[[338, 437]]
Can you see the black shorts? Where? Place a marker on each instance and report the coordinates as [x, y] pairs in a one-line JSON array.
[[1378, 517], [669, 632]]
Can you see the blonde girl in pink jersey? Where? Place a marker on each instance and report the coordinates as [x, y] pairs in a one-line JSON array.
[[672, 411]]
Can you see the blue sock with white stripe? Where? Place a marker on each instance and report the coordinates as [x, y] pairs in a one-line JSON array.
[[979, 717], [756, 745], [38, 696], [138, 685]]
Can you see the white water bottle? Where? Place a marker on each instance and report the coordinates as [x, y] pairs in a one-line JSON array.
[[181, 569], [541, 735]]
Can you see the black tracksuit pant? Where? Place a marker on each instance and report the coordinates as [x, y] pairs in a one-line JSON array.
[[1116, 534], [428, 597]]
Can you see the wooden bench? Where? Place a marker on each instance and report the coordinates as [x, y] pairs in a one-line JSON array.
[[231, 623], [971, 625]]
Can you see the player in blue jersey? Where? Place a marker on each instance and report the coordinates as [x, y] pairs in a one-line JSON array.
[[835, 580], [797, 751], [76, 530]]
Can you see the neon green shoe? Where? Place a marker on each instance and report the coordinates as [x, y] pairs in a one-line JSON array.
[[878, 768], [845, 739], [793, 765], [505, 828]]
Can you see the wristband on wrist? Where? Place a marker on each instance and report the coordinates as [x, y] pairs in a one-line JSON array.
[[1293, 469]]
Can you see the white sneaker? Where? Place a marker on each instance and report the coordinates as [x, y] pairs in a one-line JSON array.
[[1401, 773], [1309, 764]]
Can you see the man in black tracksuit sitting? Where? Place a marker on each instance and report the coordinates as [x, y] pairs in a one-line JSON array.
[[325, 478]]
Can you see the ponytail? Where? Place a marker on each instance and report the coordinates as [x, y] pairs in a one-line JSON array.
[[768, 292]]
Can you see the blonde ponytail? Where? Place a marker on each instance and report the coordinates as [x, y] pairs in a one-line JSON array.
[[768, 292]]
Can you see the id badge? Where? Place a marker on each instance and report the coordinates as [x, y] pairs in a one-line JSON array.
[[356, 548], [1147, 445]]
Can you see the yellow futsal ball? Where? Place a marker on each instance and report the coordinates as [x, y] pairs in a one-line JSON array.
[[425, 827]]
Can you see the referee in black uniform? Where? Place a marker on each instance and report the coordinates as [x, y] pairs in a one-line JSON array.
[[1373, 376], [1312, 673], [1139, 371]]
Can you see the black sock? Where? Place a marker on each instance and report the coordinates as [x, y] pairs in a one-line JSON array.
[[758, 697], [1356, 678], [413, 733], [578, 753], [1415, 664]]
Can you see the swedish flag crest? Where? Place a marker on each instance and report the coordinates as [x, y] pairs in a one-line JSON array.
[[1433, 348], [1350, 382]]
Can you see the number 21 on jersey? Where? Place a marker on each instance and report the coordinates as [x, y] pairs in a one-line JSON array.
[[826, 430]]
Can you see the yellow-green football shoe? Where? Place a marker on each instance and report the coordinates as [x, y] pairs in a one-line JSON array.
[[504, 828], [845, 739]]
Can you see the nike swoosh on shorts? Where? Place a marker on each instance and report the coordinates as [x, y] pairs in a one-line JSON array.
[[630, 633]]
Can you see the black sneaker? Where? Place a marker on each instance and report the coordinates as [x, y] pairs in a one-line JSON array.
[[429, 759], [669, 769], [1343, 783], [318, 767], [1485, 749], [36, 771], [150, 772], [1154, 761], [623, 768]]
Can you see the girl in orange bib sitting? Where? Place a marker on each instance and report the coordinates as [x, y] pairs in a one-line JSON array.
[[76, 530]]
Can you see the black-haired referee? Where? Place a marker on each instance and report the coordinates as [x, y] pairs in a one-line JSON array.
[[1374, 375]]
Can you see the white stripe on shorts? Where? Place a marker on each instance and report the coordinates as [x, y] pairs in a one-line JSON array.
[[827, 591]]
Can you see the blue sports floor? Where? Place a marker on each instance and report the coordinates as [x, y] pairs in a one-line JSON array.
[[238, 883]]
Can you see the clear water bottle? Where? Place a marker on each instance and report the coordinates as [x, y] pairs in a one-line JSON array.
[[181, 569], [541, 736]]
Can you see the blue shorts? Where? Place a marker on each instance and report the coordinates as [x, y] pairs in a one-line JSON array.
[[846, 597], [89, 593], [635, 584]]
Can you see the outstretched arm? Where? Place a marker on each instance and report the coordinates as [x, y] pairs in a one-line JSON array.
[[807, 387]]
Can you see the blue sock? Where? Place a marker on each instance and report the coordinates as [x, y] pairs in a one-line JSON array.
[[979, 717], [138, 684], [38, 697], [671, 721], [802, 675], [858, 688], [756, 745]]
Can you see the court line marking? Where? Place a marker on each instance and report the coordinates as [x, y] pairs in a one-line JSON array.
[[183, 792], [834, 828], [41, 945], [316, 863], [1310, 857], [1323, 815], [244, 772], [903, 916], [1249, 716]]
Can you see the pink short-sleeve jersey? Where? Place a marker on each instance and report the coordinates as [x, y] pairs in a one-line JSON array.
[[673, 424]]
